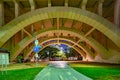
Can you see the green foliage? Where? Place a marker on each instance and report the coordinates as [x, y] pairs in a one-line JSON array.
[[72, 53], [51, 50], [99, 73], [60, 54], [21, 74], [19, 58]]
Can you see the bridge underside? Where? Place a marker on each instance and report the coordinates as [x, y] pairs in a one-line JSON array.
[[91, 34]]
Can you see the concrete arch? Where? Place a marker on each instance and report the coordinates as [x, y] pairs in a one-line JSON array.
[[94, 20], [79, 51], [85, 57], [98, 47], [86, 50]]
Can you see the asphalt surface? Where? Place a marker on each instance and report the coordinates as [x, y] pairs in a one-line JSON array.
[[60, 71]]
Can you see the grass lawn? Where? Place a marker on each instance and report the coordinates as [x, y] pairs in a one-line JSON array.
[[22, 71], [98, 72], [21, 74], [28, 71]]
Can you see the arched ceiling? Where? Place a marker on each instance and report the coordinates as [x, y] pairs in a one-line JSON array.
[[54, 41], [95, 22], [97, 46]]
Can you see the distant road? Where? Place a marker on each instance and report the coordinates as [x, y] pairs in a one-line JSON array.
[[60, 71]]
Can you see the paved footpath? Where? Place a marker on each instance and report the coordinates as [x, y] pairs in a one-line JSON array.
[[60, 71]]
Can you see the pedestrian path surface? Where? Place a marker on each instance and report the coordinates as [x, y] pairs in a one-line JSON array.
[[60, 71]]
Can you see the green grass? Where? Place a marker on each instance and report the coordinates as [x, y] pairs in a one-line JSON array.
[[27, 71], [100, 73], [24, 66], [21, 74]]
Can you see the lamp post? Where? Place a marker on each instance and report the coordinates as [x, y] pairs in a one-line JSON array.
[[36, 49], [36, 58]]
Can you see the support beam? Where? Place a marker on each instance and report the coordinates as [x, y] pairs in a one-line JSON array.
[[100, 7], [66, 3], [32, 28], [58, 23], [16, 8], [73, 23], [93, 20], [32, 4], [27, 32], [21, 45], [91, 30], [1, 13], [49, 3], [43, 24], [83, 4], [117, 14], [17, 13], [63, 21], [58, 28]]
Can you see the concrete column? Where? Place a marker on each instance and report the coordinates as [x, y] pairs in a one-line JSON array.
[[83, 4], [100, 7], [117, 14], [49, 3], [17, 14], [1, 13], [66, 3], [16, 9], [32, 4]]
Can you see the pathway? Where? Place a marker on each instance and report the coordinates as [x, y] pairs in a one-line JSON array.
[[60, 71]]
